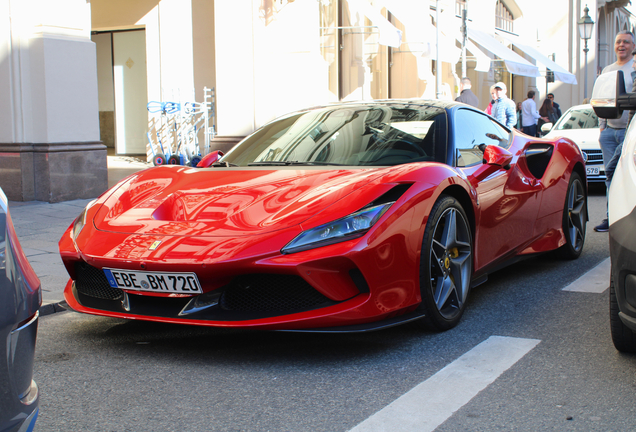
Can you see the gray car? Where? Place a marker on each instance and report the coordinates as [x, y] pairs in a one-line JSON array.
[[20, 300]]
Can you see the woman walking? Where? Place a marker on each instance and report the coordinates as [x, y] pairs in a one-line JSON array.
[[547, 110]]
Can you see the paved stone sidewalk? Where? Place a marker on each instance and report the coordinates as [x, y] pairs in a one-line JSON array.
[[40, 226]]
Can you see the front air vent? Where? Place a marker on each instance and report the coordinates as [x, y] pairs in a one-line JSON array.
[[538, 157], [282, 294], [92, 282]]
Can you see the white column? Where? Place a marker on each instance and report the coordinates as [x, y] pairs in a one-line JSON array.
[[49, 119]]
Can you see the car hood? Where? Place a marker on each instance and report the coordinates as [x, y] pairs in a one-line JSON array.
[[584, 138], [225, 201]]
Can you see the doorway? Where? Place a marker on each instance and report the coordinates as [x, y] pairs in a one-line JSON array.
[[122, 86]]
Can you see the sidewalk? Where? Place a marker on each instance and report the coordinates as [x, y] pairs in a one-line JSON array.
[[40, 226]]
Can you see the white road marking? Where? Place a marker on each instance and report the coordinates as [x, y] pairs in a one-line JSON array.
[[594, 281], [433, 401]]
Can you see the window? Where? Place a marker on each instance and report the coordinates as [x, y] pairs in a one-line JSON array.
[[472, 129], [503, 17], [352, 135], [578, 119]]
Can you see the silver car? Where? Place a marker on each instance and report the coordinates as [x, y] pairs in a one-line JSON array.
[[580, 124], [20, 300]]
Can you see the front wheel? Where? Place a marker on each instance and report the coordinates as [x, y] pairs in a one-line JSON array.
[[623, 337], [446, 265], [574, 219]]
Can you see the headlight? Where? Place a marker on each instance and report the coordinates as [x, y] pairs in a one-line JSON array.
[[81, 220], [352, 226]]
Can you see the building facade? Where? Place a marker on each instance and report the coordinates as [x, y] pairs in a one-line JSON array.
[[74, 83]]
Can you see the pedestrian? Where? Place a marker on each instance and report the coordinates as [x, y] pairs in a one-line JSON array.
[[488, 109], [504, 109], [519, 108], [556, 106], [610, 167], [548, 114], [613, 130], [466, 95], [530, 115]]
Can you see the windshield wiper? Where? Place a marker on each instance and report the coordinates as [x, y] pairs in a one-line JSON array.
[[223, 164], [288, 163], [268, 163], [313, 163]]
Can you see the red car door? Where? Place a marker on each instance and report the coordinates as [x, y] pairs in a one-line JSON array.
[[508, 200]]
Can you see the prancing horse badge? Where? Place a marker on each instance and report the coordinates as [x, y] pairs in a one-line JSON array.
[[154, 245]]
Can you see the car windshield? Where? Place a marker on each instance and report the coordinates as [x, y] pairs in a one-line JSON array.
[[349, 135], [578, 119]]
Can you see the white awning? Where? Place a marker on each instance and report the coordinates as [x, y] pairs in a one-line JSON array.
[[559, 72], [483, 61], [513, 61], [389, 34]]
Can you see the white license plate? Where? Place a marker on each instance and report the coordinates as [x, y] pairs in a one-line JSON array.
[[182, 283], [592, 171]]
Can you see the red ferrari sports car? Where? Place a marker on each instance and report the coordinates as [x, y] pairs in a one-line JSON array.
[[347, 217]]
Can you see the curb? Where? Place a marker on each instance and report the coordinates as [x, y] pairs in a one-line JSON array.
[[51, 308]]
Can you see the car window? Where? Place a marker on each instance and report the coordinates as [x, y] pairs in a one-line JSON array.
[[578, 119], [471, 130], [353, 135]]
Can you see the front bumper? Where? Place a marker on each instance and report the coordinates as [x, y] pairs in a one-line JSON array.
[[622, 237], [594, 167], [344, 284]]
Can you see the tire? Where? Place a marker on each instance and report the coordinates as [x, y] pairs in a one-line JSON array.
[[174, 160], [623, 337], [159, 159], [195, 161], [574, 219], [446, 257]]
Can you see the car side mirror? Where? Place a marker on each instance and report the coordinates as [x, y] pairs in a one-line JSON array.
[[609, 98], [209, 159], [497, 156], [546, 127]]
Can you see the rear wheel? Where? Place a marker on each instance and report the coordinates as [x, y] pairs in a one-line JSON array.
[[174, 160], [623, 337], [574, 219], [159, 159], [446, 265]]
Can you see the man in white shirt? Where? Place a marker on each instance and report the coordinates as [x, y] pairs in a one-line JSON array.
[[613, 130], [530, 115]]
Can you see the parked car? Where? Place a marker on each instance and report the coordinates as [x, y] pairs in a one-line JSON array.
[[20, 300], [349, 217], [580, 124], [608, 103]]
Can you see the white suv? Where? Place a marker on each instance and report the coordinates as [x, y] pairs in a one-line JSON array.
[[580, 124], [608, 101]]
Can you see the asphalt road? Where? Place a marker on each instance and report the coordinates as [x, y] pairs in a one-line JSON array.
[[103, 374]]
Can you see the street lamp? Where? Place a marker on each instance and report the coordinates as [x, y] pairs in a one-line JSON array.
[[586, 25]]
